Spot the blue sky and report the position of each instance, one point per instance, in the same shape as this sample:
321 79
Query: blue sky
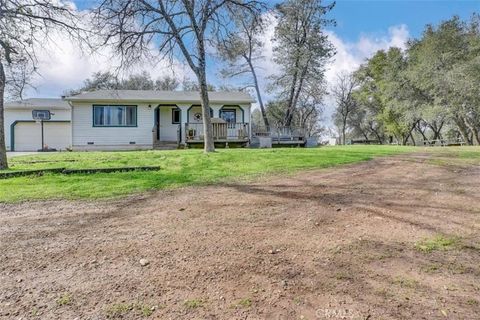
355 17
363 26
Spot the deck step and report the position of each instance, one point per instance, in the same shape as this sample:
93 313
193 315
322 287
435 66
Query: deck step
161 145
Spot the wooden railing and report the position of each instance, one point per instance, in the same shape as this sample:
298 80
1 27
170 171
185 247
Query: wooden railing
280 133
221 131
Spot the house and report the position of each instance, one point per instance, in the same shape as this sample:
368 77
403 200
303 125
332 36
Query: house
143 119
22 133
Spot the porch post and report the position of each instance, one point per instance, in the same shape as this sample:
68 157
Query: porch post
184 120
216 110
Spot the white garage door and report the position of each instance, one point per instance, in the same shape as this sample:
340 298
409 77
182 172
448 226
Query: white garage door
28 135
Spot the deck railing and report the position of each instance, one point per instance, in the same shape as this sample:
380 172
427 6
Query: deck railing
280 133
221 131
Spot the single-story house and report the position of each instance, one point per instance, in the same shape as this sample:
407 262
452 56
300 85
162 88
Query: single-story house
22 133
127 119
143 119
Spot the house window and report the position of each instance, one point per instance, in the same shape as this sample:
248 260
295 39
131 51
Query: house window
114 116
176 113
229 115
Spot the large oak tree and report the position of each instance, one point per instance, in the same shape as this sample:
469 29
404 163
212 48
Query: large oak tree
174 28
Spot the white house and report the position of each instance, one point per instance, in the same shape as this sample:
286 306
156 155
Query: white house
127 119
22 133
142 119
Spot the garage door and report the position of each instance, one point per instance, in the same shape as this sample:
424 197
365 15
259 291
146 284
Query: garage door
28 135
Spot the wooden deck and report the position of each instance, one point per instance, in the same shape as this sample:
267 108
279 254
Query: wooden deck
223 133
282 136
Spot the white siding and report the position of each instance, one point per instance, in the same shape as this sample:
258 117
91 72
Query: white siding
168 131
12 115
110 138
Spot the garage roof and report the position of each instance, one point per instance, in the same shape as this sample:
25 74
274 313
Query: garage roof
37 103
160 96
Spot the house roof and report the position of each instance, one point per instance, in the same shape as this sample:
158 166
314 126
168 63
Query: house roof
37 103
160 96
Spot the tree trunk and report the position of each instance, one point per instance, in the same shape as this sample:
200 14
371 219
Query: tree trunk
291 95
259 95
413 139
474 130
463 130
475 135
380 139
344 128
209 145
293 107
423 134
436 129
3 149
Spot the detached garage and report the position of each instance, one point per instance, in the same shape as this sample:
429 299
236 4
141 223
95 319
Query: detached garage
22 133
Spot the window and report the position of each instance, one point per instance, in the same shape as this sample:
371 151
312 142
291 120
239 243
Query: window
176 114
229 115
114 116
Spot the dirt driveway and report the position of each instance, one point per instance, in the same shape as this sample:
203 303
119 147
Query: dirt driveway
342 243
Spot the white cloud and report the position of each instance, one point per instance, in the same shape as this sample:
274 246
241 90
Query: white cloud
350 55
62 65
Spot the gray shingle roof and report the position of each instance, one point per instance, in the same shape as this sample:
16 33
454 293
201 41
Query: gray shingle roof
33 103
160 96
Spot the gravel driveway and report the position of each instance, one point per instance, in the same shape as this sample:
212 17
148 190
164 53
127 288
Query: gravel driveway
340 243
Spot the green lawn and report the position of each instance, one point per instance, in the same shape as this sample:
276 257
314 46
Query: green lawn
178 168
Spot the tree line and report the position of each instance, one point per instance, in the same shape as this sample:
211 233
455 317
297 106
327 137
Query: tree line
429 91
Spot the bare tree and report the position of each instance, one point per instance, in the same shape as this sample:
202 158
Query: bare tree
176 28
242 49
167 83
342 92
24 24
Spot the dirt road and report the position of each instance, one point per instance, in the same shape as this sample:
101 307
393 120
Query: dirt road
341 243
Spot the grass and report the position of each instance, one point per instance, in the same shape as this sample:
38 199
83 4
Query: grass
193 304
405 282
119 310
244 303
438 242
467 155
64 300
178 168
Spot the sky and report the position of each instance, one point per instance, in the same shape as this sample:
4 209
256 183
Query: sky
362 28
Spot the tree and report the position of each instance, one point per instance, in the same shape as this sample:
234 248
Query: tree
25 24
342 92
301 49
370 97
109 81
308 113
403 100
189 85
181 28
167 83
242 49
444 63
